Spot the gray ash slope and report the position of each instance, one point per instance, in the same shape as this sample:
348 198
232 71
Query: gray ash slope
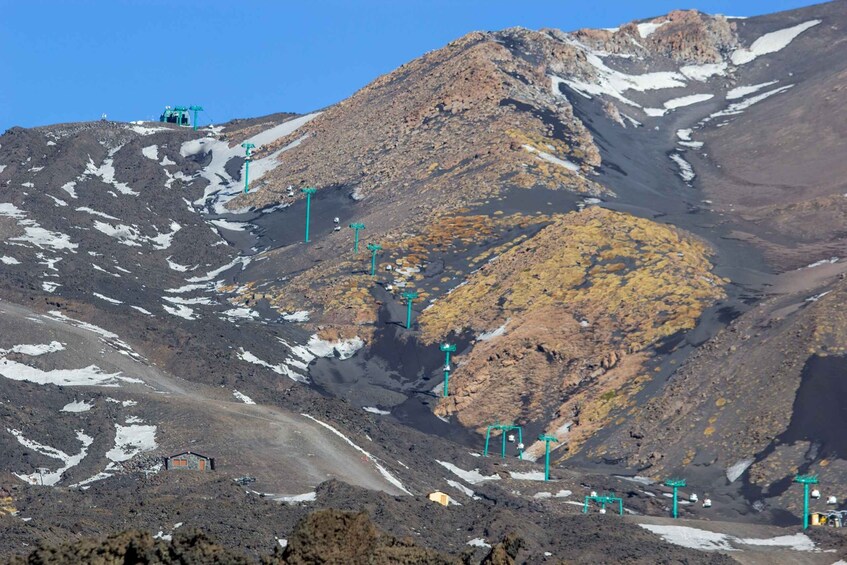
117 247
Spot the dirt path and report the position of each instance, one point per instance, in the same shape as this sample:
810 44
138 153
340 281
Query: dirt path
288 453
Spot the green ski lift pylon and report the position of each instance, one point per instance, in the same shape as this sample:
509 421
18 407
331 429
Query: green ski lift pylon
447 348
806 480
181 112
374 249
195 109
603 500
356 227
547 439
410 297
308 192
247 148
675 484
504 428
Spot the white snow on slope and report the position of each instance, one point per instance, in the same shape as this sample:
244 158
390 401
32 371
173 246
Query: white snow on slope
52 477
343 348
462 488
222 187
299 316
77 406
131 237
770 43
180 311
382 470
234 314
231 226
552 159
497 332
614 83
645 30
703 72
687 100
674 103
479 542
742 91
704 540
58 201
242 397
173 265
151 152
35 350
736 470
6 260
88 210
87 376
686 171
49 286
34 233
375 410
106 173
295 498
106 298
473 477
739 107
132 440
142 310
69 188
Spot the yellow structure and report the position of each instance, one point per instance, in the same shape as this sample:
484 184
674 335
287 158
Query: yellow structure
441 498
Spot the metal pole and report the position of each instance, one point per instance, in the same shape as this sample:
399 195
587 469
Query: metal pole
373 262
446 373
408 314
308 192
247 173
674 502
487 437
805 506
520 443
547 461
503 442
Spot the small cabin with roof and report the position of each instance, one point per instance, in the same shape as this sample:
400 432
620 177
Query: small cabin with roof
190 461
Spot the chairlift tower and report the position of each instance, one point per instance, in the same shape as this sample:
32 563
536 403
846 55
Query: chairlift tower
374 249
247 148
356 227
308 192
547 439
195 109
182 118
410 298
504 428
447 348
806 480
603 500
675 484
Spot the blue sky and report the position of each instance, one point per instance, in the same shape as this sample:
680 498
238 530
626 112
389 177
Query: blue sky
63 61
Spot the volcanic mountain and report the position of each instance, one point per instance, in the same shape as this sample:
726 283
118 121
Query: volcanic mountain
632 237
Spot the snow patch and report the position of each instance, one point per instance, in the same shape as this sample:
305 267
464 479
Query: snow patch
742 91
770 43
686 171
132 440
52 477
472 477
151 152
374 410
242 397
733 472
77 406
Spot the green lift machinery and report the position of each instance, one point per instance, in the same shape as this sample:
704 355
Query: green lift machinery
504 429
603 500
447 348
356 227
806 480
177 115
675 484
308 191
247 148
410 298
194 108
374 249
547 439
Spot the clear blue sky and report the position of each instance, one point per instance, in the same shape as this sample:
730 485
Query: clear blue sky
63 61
